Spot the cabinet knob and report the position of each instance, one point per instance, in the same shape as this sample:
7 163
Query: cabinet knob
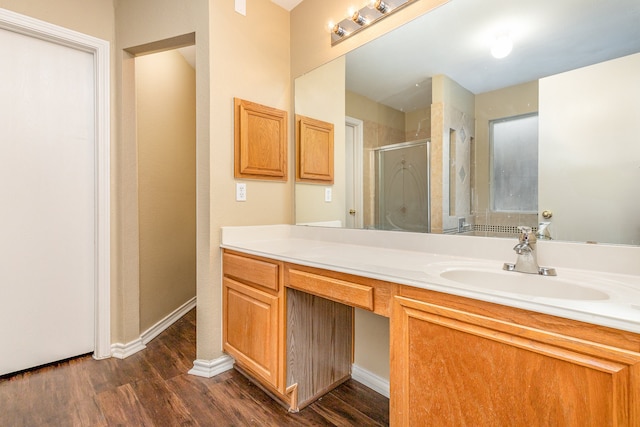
352 211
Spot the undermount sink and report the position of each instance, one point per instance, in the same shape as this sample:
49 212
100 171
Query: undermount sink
523 284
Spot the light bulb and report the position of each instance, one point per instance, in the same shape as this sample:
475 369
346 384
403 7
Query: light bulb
358 19
379 5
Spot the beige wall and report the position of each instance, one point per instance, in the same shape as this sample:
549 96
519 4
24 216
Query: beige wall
166 128
92 17
139 22
311 40
382 125
237 56
321 97
249 59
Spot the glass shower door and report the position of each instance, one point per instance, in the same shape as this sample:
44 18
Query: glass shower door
402 182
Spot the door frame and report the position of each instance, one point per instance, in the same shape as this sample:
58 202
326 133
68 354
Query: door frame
28 26
357 127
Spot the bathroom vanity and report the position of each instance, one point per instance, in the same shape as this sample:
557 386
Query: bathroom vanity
461 354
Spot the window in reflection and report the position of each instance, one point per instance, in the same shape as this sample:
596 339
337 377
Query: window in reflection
514 164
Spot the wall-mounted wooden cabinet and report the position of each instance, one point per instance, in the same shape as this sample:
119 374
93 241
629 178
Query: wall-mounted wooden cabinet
260 141
314 150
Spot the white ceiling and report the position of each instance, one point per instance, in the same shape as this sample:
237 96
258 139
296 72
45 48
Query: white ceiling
549 36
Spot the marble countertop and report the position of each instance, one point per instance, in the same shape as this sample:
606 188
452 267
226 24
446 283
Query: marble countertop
422 264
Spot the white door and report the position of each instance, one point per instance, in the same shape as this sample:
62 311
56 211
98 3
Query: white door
47 200
353 174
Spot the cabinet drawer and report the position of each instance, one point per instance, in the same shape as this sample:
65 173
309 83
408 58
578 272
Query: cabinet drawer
251 270
342 291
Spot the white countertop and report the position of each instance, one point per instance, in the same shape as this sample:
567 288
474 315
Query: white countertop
419 259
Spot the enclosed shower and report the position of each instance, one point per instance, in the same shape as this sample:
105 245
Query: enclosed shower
402 186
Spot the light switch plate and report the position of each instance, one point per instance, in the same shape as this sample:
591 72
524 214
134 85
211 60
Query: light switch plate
241 7
241 192
327 194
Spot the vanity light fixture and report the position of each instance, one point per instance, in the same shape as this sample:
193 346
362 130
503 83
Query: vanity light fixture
372 12
358 19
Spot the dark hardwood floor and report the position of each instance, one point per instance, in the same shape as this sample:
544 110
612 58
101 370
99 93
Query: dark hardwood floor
152 388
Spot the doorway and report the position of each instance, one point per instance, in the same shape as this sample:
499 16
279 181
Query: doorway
354 216
165 101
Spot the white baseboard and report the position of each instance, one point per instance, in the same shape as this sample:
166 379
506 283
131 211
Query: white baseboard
211 368
122 351
371 380
172 318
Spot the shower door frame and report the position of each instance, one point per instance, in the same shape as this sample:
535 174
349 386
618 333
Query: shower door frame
399 146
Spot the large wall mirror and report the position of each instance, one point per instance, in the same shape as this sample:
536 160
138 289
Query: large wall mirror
434 134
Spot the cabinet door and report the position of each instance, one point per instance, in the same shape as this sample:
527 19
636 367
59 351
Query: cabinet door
251 329
453 368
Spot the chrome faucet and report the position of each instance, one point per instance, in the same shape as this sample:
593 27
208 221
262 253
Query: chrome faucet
527 261
543 231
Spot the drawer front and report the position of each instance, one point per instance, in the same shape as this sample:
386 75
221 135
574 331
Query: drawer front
251 270
349 293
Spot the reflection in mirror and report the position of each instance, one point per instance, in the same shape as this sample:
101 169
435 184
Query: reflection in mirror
574 67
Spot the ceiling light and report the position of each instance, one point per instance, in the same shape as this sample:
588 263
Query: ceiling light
502 46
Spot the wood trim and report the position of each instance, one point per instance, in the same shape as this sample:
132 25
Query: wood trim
260 272
288 399
533 320
260 141
337 290
591 354
383 292
314 150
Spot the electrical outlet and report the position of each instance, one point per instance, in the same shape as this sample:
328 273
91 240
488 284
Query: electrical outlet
241 192
327 194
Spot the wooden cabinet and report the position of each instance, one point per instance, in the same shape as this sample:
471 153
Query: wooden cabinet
253 310
454 361
314 150
260 141
462 362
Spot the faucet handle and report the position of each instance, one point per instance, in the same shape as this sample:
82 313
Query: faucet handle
526 234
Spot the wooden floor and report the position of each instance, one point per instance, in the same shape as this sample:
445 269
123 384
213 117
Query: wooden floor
152 388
